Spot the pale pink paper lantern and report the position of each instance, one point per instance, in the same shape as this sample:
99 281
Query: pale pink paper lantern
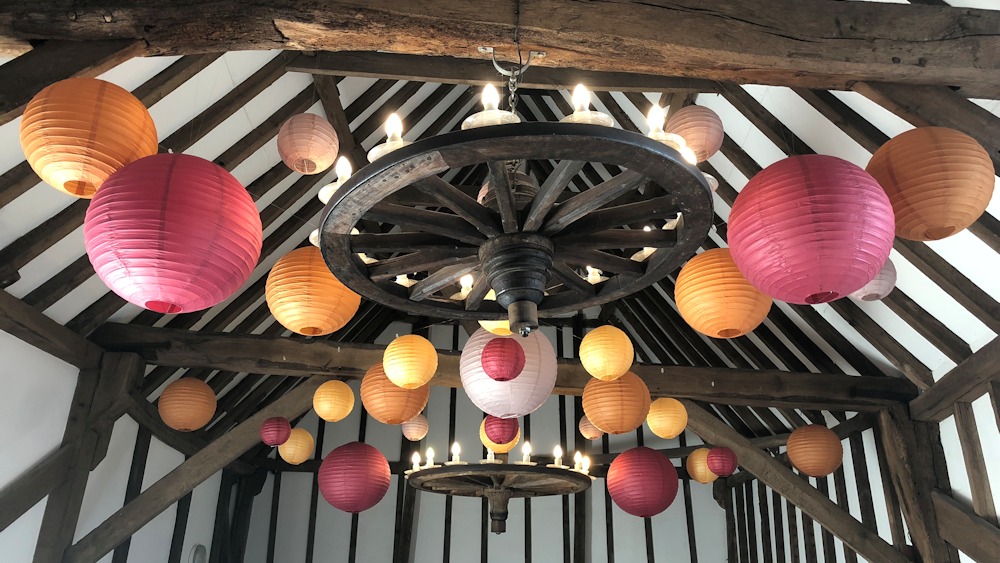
416 428
701 129
880 287
307 143
519 396
811 229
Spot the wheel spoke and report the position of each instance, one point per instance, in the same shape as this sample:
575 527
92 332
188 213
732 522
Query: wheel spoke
550 191
408 242
611 217
581 205
504 192
600 260
480 288
420 261
572 280
464 206
436 222
618 238
442 278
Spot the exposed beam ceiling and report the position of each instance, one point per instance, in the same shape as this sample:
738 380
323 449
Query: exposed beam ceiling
966 382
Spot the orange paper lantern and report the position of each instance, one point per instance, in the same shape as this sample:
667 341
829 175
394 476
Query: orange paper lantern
333 401
815 450
667 418
697 467
307 143
410 361
187 404
79 131
588 430
298 448
494 447
701 129
606 353
715 299
305 297
618 406
938 180
389 403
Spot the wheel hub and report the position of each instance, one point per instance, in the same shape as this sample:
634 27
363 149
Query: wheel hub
517 268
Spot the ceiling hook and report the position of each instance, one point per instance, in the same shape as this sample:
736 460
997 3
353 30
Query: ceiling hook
513 72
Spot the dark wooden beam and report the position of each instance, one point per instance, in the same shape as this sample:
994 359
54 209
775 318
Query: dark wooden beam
960 527
966 382
975 462
32 326
35 484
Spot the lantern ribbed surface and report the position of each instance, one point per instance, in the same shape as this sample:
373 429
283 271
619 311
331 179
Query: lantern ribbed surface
79 131
697 467
187 404
173 233
305 297
722 461
503 359
410 361
275 431
298 448
715 299
606 353
416 428
501 430
815 450
701 129
495 447
811 229
519 396
389 403
307 143
667 418
618 406
939 181
881 286
333 401
354 477
588 430
642 482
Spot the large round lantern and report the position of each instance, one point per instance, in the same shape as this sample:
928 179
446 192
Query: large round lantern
606 353
77 132
495 447
333 401
667 418
307 143
389 403
501 430
173 233
519 396
722 461
187 404
642 482
939 181
416 428
588 430
305 297
410 361
354 477
815 450
697 467
275 431
298 447
880 287
618 406
701 129
715 299
811 229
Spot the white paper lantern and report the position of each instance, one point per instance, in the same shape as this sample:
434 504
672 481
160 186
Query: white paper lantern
518 396
416 429
880 287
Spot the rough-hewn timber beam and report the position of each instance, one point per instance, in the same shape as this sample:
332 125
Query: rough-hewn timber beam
960 527
32 326
286 356
965 382
34 484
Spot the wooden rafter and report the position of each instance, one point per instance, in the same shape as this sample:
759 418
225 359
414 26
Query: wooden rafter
966 382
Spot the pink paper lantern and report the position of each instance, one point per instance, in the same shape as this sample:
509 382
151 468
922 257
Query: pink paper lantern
701 129
811 229
503 359
275 431
354 477
173 233
519 396
722 461
501 430
881 286
642 482
307 143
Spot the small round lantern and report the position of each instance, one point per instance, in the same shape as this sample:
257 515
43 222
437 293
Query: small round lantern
416 428
354 477
642 482
700 128
275 431
606 353
815 450
333 401
501 430
495 447
173 233
722 461
298 448
519 396
305 297
410 361
389 403
697 467
307 143
880 287
499 328
667 418
715 299
503 359
77 132
588 430
618 406
811 229
187 404
939 181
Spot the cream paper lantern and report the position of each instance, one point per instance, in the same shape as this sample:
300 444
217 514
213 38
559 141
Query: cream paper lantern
518 396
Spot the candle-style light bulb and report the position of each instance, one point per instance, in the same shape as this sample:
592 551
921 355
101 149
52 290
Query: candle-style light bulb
557 453
394 128
647 228
491 98
689 155
655 119
585 466
466 282
314 237
577 461
455 450
489 455
581 98
526 452
416 461
343 169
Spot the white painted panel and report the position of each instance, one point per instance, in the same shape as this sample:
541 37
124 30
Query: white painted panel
201 515
105 491
293 517
151 544
260 524
17 541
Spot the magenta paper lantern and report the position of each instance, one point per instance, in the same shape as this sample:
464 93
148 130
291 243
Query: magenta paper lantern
173 233
275 431
519 396
503 360
501 430
722 461
811 229
642 482
354 477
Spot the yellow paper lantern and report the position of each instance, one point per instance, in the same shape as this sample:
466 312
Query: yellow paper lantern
499 328
187 404
715 299
410 361
815 450
618 406
77 132
606 353
697 467
494 447
298 448
389 403
667 418
333 401
305 297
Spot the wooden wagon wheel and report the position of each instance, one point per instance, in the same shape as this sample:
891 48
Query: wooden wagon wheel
531 257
